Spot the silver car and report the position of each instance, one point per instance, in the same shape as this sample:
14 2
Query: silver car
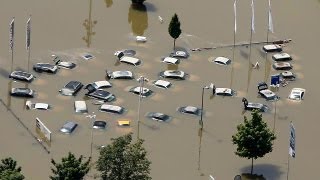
22 76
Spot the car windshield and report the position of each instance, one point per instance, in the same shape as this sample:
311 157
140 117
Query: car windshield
46 65
24 74
72 85
23 90
101 93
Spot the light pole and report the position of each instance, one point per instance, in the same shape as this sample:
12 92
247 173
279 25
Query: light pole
201 126
93 116
141 79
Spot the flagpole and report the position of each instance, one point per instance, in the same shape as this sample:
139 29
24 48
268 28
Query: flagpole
12 41
268 30
252 29
234 40
288 166
28 44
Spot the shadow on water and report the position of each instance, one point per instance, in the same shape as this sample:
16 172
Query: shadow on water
4 73
138 18
88 25
269 171
150 7
244 53
108 3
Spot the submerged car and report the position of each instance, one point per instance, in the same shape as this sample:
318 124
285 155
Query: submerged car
282 57
98 85
99 125
22 76
282 66
145 92
288 75
272 48
222 61
63 64
22 92
173 74
162 84
265 92
68 127
71 89
80 107
190 110
102 95
45 67
127 59
179 54
111 109
87 56
222 91
119 75
157 116
254 106
297 94
123 122
171 60
39 106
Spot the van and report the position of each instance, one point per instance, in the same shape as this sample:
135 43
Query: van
80 107
68 127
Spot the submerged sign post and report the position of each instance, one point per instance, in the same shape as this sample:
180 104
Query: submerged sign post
43 131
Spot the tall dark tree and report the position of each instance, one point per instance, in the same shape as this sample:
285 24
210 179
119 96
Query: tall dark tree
9 170
137 1
123 160
174 29
70 168
254 139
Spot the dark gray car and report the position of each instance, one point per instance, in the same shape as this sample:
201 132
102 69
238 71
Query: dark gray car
71 89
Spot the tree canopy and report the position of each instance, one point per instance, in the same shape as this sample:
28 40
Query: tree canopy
9 170
254 139
174 28
123 160
70 168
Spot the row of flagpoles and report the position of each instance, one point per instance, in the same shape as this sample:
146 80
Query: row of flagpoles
11 39
270 24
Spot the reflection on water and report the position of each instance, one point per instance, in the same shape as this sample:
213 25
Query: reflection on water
89 24
108 3
8 95
138 18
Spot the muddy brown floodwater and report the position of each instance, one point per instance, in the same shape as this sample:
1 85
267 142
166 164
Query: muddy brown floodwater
75 27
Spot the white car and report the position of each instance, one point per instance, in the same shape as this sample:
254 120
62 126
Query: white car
272 48
265 92
282 66
144 93
173 74
282 57
87 56
98 85
111 109
222 61
297 94
171 60
119 75
39 106
127 59
162 84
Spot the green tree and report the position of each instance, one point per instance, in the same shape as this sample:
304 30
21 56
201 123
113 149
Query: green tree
123 160
254 139
70 168
174 29
9 170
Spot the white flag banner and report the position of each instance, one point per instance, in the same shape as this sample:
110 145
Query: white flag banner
235 15
11 34
292 141
270 27
28 33
252 16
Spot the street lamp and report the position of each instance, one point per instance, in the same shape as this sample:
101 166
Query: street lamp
93 116
141 79
201 124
